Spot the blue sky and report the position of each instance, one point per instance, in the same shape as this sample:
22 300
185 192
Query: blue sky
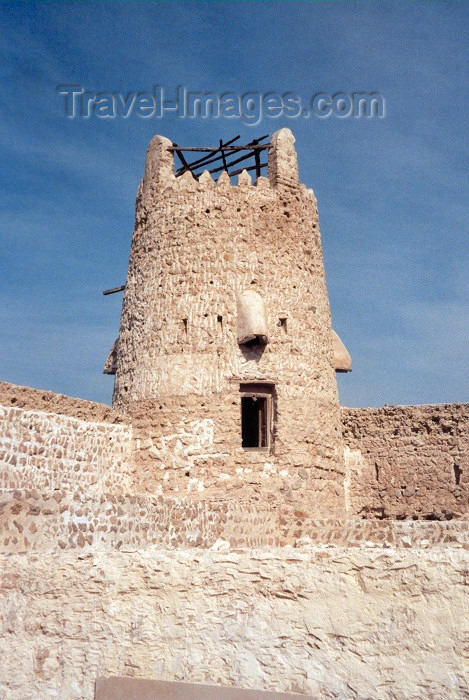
392 192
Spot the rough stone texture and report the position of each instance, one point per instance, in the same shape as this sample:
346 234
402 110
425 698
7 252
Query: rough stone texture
407 461
283 161
196 247
15 396
178 457
402 462
31 521
55 453
339 623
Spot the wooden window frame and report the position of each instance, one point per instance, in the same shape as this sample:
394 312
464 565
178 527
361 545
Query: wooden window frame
263 391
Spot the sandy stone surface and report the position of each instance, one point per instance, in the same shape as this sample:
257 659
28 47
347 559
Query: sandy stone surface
330 621
13 396
60 454
407 461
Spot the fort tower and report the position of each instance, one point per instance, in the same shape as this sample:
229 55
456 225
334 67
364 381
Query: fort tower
225 351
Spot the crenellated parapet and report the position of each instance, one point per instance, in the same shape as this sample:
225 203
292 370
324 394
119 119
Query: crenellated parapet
282 169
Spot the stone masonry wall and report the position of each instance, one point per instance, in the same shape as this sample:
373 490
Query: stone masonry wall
49 452
337 623
180 455
52 465
94 583
24 397
407 461
44 522
402 462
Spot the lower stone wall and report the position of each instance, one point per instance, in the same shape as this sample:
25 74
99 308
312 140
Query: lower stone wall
14 396
47 451
343 623
96 581
407 461
401 461
45 523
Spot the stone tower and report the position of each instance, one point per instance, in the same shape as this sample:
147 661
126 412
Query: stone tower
225 350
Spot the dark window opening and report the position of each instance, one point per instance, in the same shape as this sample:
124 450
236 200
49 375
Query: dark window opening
220 324
254 421
457 473
184 326
256 415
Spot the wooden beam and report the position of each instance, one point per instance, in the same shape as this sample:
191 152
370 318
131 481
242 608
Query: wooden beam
234 162
257 159
219 154
260 147
223 157
212 157
201 160
184 162
114 290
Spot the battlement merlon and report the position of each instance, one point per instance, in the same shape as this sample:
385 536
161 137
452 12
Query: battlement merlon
159 166
282 167
283 161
